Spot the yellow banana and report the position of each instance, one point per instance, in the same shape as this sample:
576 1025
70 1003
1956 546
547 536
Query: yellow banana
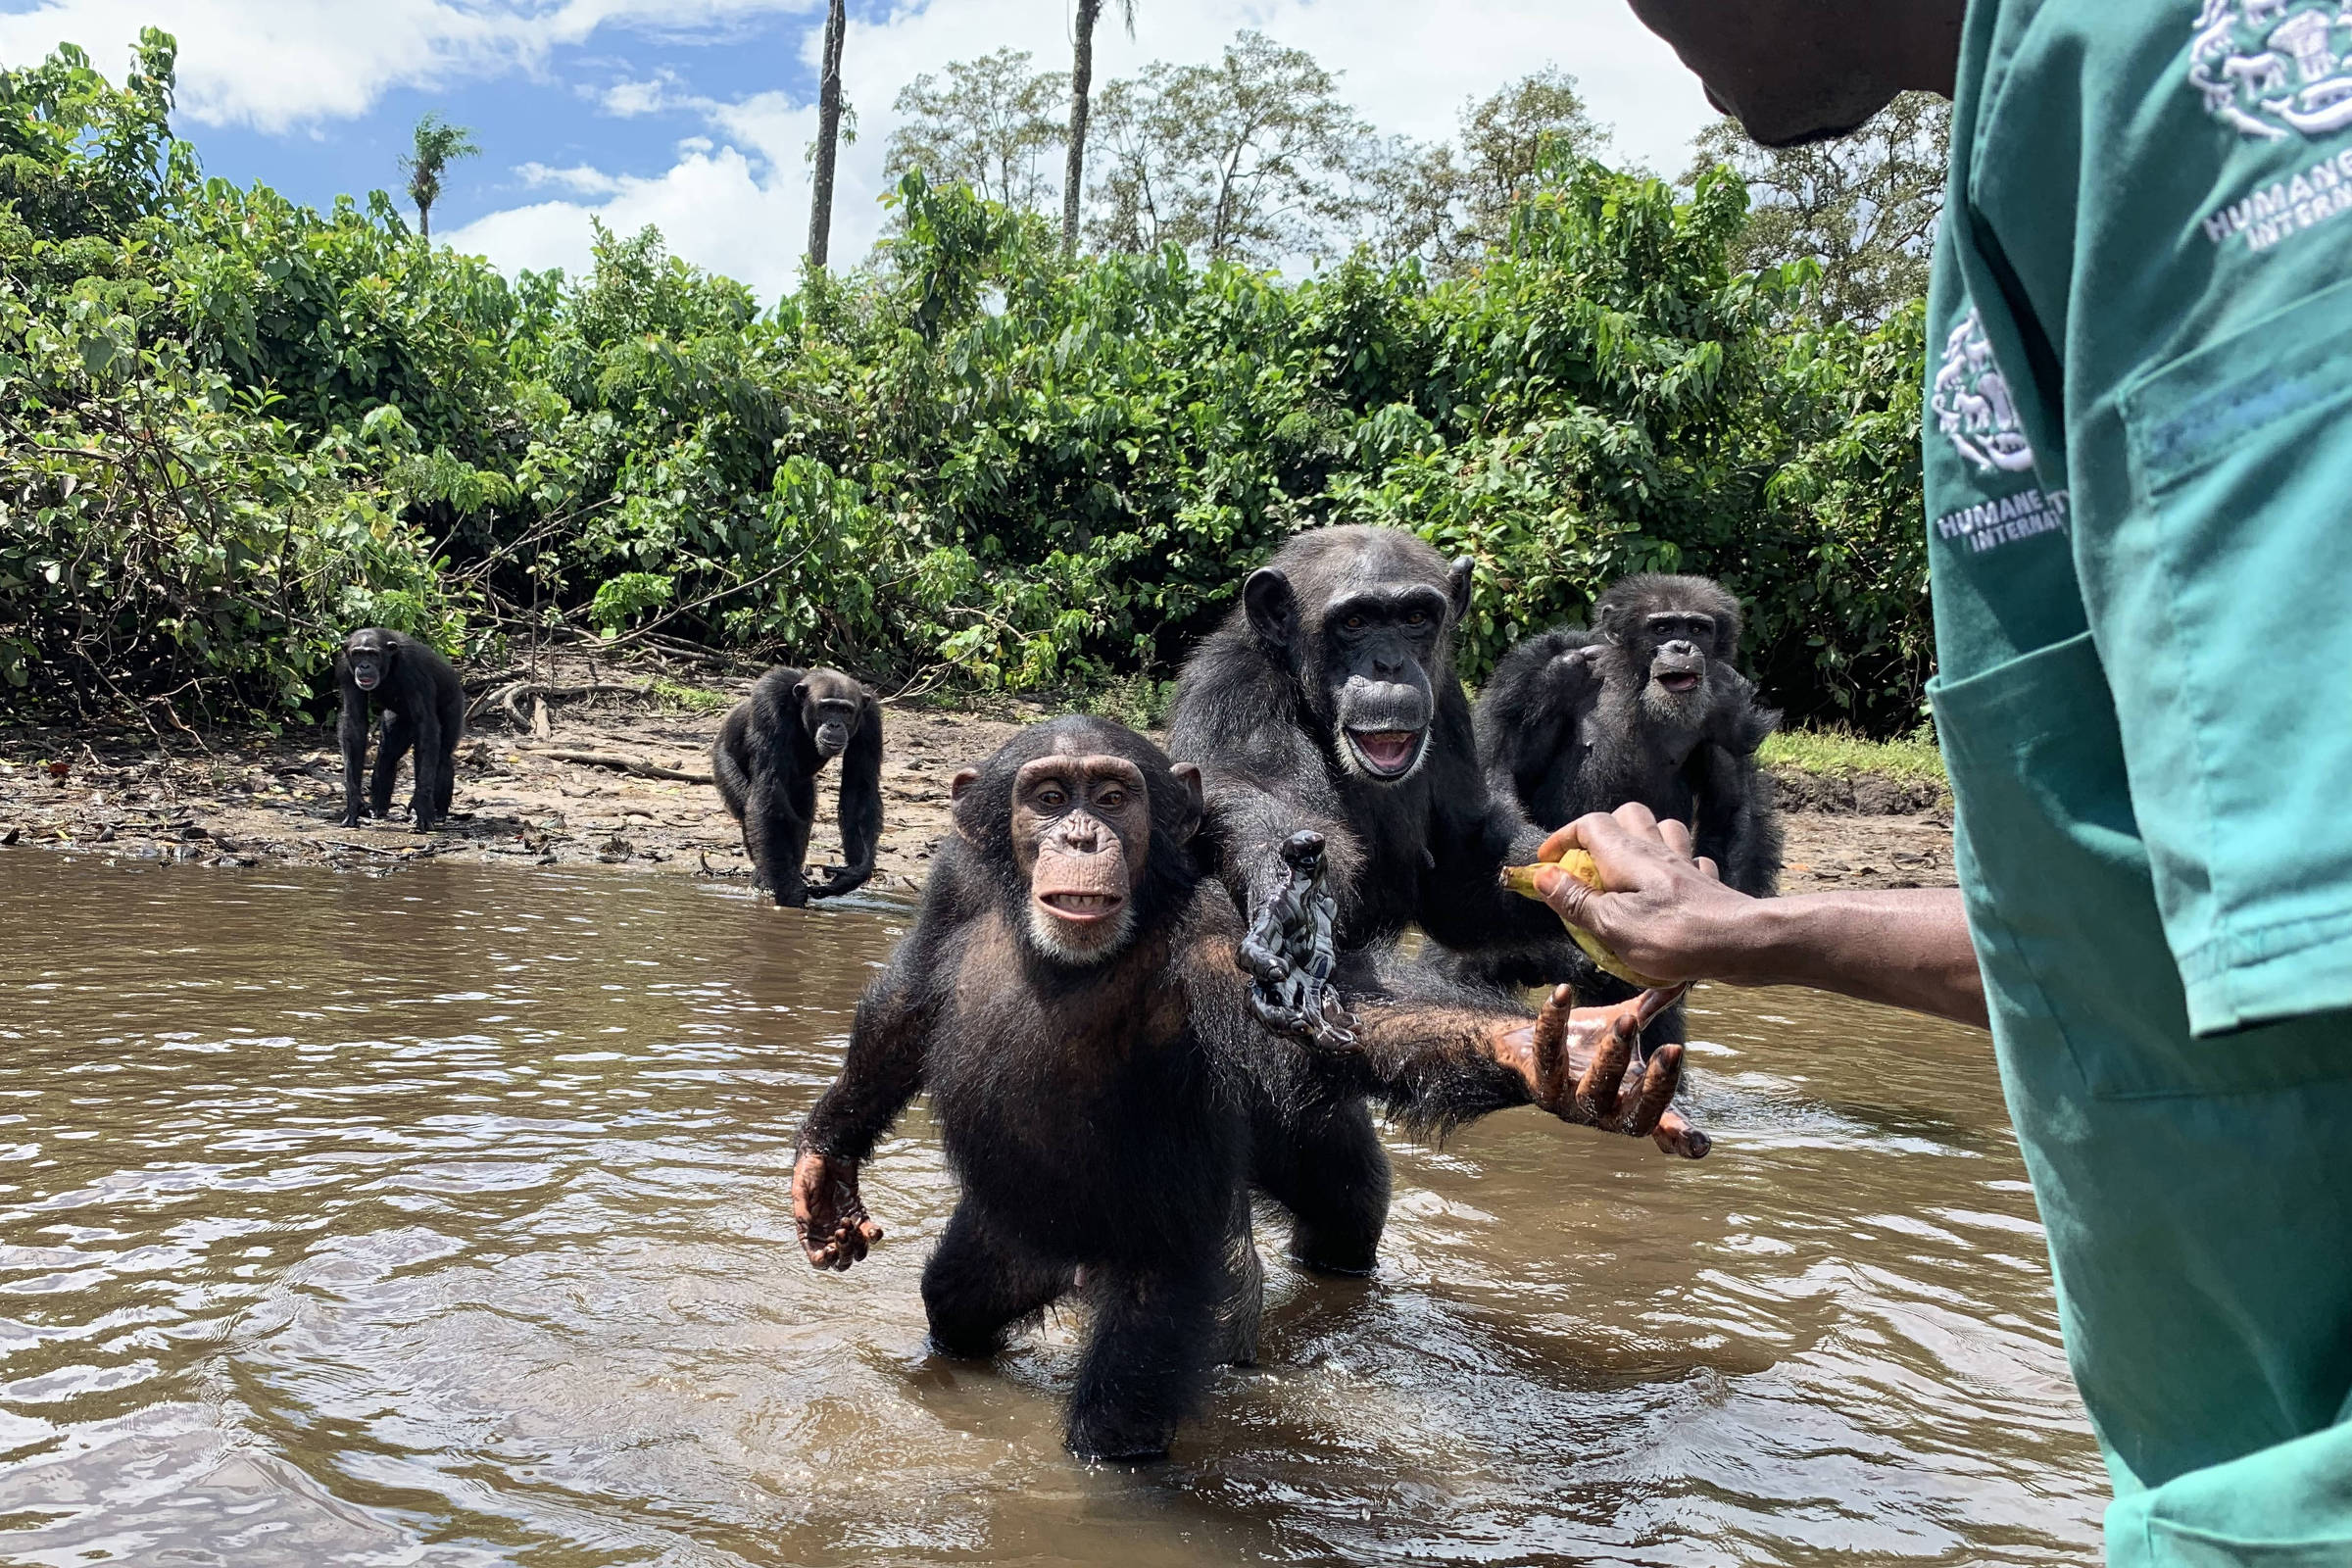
1527 882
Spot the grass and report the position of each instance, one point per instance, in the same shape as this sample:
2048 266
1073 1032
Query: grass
1833 752
693 699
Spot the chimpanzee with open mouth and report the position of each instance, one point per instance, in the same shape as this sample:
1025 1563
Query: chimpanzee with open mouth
1327 704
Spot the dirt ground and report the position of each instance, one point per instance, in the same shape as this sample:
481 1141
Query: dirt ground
525 797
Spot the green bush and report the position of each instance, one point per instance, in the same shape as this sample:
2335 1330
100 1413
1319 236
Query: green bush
235 427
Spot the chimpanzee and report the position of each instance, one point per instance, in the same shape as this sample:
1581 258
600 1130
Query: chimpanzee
425 708
765 762
1644 707
1071 1000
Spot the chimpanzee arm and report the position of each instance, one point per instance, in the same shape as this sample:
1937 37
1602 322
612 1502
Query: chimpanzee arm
883 1068
861 807
351 732
1737 827
1268 787
426 716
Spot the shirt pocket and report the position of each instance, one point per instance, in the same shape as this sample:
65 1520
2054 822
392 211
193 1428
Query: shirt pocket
2236 686
2060 898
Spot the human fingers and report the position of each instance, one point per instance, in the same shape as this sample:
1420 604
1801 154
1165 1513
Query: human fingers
1597 1090
1712 871
1677 837
1652 1004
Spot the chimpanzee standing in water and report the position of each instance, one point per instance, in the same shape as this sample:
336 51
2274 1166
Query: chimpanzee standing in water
1327 703
1645 707
1071 1000
765 762
425 708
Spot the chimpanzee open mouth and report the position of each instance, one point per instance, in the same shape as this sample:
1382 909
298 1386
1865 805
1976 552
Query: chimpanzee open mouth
1081 907
1680 681
363 680
1387 753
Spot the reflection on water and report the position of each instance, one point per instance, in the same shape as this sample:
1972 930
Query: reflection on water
442 1218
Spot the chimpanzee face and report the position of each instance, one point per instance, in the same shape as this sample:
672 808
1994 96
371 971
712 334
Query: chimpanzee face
830 707
369 655
1676 646
1081 836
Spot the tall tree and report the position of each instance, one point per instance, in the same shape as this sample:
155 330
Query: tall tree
1082 82
1254 157
990 125
828 134
438 144
1865 206
1448 203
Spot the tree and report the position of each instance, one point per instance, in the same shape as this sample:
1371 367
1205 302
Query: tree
1865 206
829 135
1082 81
1253 158
1449 206
438 144
988 125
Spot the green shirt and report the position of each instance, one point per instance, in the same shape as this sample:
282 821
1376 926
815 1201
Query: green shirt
2139 373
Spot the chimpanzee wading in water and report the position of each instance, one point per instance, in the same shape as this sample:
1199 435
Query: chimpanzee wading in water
1644 707
765 762
1071 1000
1327 703
424 708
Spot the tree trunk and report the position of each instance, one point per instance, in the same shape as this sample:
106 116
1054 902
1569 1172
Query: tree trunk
424 221
829 135
1082 81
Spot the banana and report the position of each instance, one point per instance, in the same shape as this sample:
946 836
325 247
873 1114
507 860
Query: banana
1527 882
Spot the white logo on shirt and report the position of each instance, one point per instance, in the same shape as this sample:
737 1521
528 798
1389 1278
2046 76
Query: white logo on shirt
2269 67
1972 403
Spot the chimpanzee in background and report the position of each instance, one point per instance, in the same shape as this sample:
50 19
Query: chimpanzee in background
1071 1000
1644 707
765 760
425 708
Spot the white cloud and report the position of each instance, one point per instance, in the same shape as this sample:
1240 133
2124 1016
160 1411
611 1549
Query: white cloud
1408 66
278 64
579 177
627 100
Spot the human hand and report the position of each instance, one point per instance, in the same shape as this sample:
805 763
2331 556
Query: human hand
835 1231
1578 1064
1666 915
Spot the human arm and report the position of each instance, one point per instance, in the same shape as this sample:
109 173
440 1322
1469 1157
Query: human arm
1668 917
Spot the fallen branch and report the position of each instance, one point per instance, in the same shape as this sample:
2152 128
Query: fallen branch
626 765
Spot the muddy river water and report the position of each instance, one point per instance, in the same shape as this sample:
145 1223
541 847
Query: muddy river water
441 1218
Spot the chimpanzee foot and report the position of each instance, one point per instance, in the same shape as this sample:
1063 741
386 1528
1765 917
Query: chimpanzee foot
1115 1436
1323 1253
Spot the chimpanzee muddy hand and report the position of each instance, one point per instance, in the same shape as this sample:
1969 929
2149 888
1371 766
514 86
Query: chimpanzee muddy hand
835 1231
1579 1063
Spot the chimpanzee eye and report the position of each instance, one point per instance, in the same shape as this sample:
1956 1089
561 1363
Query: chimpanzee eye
1112 799
1049 796
1354 623
1418 617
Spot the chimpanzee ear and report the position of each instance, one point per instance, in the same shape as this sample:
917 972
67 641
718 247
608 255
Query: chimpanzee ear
800 689
958 788
1272 608
1188 774
1457 581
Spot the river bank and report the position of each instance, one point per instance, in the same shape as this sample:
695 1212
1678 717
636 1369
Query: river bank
589 765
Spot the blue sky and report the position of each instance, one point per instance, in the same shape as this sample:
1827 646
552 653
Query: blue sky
693 115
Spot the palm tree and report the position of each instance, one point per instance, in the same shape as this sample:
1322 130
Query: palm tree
1082 81
438 143
828 134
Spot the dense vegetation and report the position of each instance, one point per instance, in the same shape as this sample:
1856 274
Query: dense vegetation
231 426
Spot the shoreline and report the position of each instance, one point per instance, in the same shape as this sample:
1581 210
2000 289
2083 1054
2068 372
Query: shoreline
552 791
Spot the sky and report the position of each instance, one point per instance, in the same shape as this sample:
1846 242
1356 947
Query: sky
696 115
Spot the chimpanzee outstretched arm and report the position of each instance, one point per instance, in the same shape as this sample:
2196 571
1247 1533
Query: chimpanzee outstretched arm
882 1070
861 807
351 732
1268 787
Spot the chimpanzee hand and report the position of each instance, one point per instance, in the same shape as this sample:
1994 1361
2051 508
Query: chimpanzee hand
1579 1063
835 1231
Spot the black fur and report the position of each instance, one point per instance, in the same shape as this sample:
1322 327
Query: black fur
425 708
765 760
1571 723
1108 1121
